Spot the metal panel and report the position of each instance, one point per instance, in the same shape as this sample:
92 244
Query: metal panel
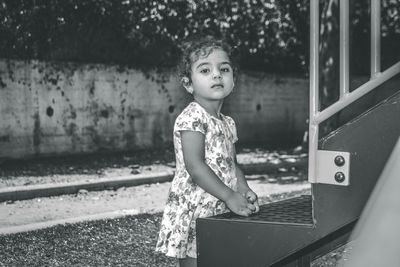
370 140
333 167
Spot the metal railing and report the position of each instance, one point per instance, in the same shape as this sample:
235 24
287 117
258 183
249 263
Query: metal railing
345 97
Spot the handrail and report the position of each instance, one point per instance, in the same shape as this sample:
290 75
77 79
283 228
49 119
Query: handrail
375 43
314 92
344 48
356 94
377 78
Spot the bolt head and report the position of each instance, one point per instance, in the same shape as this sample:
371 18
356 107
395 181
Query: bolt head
340 177
339 161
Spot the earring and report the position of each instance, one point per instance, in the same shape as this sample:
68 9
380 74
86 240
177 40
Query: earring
185 81
186 84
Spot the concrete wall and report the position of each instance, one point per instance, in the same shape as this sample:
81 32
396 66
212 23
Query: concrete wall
63 108
269 109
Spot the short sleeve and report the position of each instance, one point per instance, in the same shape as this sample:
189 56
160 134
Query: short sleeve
191 119
232 128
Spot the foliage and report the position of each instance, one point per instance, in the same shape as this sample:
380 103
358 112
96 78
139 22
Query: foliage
268 35
360 35
148 33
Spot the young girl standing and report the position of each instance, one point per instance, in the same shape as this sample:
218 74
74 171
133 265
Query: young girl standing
207 180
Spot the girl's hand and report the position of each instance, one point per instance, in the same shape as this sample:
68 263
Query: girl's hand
239 204
253 199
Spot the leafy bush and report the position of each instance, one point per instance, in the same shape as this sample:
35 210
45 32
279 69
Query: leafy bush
268 35
148 33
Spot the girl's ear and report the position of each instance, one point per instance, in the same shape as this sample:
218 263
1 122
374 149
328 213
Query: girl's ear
185 81
189 88
187 85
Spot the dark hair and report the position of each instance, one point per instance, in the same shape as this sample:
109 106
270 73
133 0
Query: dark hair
201 47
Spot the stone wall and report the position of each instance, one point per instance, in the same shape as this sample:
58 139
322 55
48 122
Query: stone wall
63 108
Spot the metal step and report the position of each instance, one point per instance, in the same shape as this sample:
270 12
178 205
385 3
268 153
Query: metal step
295 211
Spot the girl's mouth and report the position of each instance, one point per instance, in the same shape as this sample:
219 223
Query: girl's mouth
216 86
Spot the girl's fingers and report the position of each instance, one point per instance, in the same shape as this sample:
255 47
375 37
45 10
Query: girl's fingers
251 207
245 212
257 207
248 204
251 196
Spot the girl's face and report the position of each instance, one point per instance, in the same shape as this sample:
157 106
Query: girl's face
212 77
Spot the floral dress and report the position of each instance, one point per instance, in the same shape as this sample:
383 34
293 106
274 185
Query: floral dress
186 200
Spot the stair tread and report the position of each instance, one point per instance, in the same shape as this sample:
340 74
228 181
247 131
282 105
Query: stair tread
293 211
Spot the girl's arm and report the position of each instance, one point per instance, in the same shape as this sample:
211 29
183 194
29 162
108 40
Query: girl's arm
193 144
244 188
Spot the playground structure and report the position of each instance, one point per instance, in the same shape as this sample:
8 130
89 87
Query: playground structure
345 167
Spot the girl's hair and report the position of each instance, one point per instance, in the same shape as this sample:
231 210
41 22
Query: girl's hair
197 48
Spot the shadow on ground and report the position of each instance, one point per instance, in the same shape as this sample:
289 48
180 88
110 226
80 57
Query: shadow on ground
94 163
283 166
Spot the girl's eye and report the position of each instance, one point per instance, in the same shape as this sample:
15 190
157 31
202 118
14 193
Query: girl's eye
204 70
225 69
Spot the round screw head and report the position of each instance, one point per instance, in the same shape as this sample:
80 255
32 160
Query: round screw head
340 177
339 161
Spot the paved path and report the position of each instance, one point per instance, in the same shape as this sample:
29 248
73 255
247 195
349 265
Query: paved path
26 215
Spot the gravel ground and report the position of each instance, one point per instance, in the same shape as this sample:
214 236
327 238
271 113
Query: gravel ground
99 204
63 169
125 241
284 168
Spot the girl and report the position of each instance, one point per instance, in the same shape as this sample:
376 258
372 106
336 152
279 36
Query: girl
208 180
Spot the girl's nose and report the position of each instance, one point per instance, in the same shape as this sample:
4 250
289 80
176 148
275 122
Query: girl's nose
216 74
